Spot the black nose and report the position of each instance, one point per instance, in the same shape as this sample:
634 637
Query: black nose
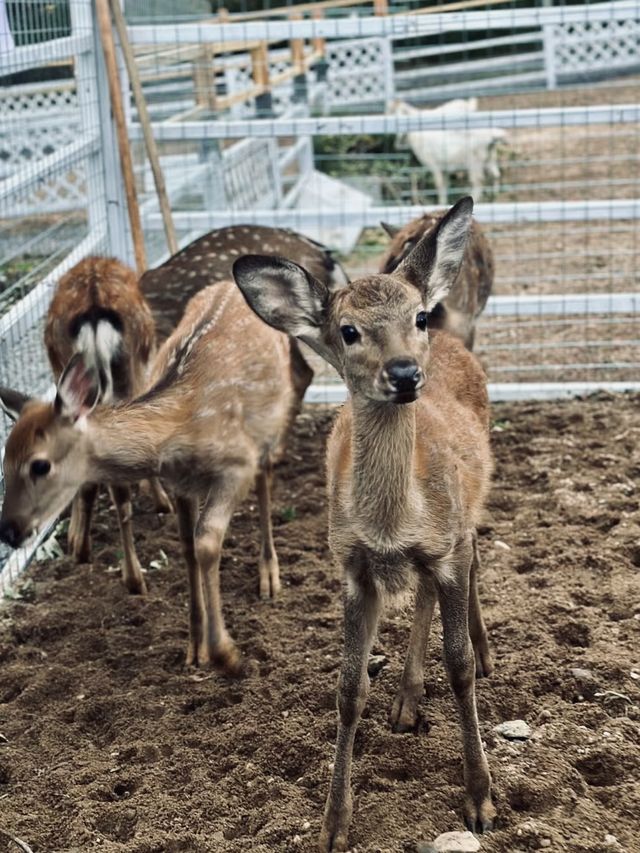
10 533
404 374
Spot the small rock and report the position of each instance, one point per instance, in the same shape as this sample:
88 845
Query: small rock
456 842
545 842
545 715
425 847
514 730
582 674
306 826
611 839
376 664
498 543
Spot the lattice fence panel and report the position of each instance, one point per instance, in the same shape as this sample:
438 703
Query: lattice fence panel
596 46
360 72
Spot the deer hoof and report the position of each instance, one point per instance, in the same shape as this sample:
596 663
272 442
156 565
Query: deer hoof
404 713
334 835
479 818
484 663
228 660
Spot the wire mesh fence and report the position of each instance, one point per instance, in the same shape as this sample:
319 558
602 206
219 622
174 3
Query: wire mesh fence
327 118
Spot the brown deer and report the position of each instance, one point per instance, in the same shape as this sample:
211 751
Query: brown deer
210 258
409 467
98 310
460 309
212 421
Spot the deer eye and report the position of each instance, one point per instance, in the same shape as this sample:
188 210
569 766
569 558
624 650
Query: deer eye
40 467
421 320
349 334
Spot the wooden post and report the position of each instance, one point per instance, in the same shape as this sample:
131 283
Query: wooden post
223 14
380 7
108 47
143 115
204 78
300 91
260 75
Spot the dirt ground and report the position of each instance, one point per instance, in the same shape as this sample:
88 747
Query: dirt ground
107 743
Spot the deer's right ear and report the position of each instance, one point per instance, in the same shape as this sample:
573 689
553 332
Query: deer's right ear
391 230
78 389
285 296
12 402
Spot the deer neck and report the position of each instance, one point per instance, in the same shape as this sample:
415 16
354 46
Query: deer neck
125 441
385 495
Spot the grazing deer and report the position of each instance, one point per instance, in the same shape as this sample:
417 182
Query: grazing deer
409 467
98 310
210 258
211 423
466 300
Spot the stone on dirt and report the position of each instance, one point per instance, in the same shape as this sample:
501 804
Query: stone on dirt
514 730
456 842
376 664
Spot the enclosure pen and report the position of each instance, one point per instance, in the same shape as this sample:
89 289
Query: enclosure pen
317 121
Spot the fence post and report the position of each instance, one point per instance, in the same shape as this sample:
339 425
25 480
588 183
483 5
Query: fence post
260 75
549 41
380 7
107 209
300 92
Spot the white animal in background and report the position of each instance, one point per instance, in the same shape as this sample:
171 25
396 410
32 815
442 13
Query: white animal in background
471 150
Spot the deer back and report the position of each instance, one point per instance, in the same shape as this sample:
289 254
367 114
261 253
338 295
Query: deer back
98 310
223 375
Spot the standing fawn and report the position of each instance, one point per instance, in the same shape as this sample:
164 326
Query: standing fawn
409 467
213 420
98 311
465 301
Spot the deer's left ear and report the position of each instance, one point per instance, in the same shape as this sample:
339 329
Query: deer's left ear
12 402
434 264
285 296
78 389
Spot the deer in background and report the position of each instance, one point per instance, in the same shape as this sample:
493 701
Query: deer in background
212 422
466 300
210 258
98 311
409 468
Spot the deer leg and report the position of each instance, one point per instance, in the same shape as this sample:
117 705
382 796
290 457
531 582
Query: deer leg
459 659
131 568
212 526
404 713
361 613
477 629
79 535
268 568
197 649
161 499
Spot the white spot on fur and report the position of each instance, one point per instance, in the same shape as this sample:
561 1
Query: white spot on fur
98 349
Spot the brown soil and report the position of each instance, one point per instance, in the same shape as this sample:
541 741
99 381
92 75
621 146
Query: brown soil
112 746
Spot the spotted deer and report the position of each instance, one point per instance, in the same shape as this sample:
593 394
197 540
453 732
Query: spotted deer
212 422
97 310
459 310
409 467
210 258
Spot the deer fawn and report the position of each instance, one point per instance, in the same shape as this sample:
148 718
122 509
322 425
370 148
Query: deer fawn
97 310
463 304
408 473
213 419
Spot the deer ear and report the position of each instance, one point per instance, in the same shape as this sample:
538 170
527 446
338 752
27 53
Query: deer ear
12 402
391 230
78 389
433 265
285 296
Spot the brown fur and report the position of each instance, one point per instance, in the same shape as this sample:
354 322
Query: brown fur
210 258
104 283
212 422
408 468
472 288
